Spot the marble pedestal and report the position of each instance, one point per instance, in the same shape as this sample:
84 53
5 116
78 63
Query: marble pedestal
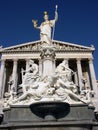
79 117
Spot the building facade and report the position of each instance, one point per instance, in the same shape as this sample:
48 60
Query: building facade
79 58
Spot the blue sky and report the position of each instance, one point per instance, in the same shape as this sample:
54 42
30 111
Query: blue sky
78 21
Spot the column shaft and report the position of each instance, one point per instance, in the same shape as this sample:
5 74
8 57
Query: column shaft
14 78
27 63
76 78
79 70
40 67
2 78
93 77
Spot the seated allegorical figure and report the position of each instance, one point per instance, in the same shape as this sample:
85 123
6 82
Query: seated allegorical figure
29 75
64 71
65 75
39 89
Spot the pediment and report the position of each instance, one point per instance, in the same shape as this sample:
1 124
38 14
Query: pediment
36 45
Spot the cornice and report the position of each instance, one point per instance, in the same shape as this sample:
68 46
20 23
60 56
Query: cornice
38 51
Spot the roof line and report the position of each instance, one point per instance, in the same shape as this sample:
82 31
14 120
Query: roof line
62 42
19 45
74 44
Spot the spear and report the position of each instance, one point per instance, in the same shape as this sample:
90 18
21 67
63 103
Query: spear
56 7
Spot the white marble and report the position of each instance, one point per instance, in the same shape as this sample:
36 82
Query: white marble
2 78
46 28
29 76
56 87
44 81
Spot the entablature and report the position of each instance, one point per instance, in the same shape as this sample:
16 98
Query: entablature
36 55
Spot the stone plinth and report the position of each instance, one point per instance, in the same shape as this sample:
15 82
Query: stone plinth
48 60
23 118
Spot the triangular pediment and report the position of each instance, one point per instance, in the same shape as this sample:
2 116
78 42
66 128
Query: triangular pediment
36 45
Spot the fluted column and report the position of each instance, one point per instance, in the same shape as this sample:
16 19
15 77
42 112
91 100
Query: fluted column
2 78
93 77
27 63
76 78
40 67
94 84
79 71
14 77
54 65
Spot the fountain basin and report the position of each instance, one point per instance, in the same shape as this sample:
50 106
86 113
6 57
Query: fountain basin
50 109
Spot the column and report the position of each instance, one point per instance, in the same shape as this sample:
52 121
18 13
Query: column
27 63
2 78
40 67
79 71
48 58
76 78
93 77
94 84
54 65
14 76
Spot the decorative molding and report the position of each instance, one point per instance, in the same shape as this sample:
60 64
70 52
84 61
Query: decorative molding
36 46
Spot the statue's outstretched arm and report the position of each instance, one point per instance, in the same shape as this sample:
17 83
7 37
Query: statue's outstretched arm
35 24
37 27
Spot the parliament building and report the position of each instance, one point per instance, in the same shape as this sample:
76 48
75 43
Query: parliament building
48 84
